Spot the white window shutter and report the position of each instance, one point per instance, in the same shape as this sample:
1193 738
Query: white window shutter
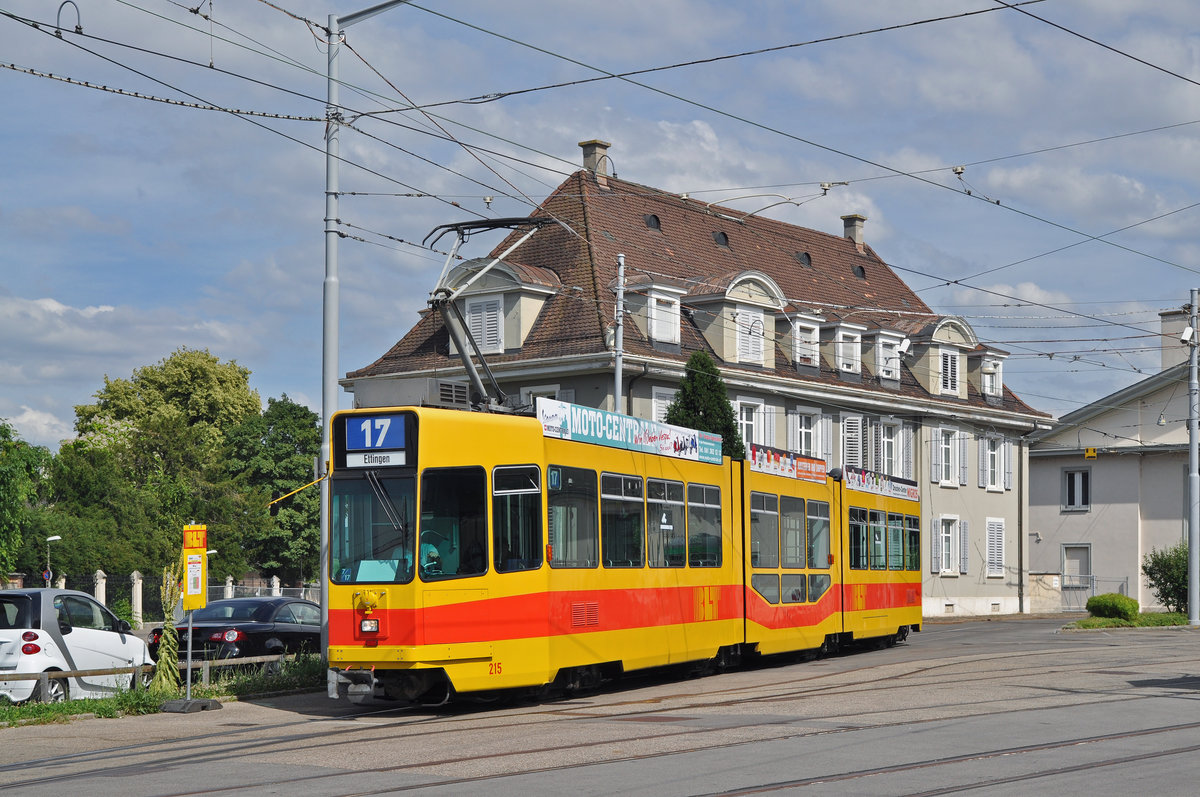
825 443
935 452
983 461
962 458
995 547
1007 453
964 546
852 449
935 548
876 462
907 454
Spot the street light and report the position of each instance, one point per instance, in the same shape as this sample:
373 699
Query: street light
329 338
50 575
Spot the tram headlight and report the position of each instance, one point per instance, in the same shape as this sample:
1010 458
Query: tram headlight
369 625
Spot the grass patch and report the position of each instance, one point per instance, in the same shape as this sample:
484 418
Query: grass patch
1143 620
302 673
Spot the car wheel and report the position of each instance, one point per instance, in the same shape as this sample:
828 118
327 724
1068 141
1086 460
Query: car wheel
56 692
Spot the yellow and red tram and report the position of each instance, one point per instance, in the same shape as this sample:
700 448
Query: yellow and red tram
473 552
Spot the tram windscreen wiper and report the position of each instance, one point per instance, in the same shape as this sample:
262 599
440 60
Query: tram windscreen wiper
385 501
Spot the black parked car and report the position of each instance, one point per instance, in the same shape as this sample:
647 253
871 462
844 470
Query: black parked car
238 627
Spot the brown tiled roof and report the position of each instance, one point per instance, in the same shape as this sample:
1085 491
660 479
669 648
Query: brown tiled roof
601 221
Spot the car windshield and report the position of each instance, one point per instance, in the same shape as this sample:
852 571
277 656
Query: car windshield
234 611
15 611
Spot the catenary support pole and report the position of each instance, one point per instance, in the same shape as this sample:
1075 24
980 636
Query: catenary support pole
1193 472
619 337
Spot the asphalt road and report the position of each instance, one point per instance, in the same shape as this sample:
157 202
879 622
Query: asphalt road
1004 707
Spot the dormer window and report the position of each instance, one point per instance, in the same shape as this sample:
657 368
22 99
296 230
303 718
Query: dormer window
950 371
652 222
887 358
721 239
991 382
485 320
750 334
663 317
805 344
849 352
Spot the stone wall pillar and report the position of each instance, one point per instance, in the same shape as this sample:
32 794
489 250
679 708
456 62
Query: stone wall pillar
275 590
228 586
61 581
100 586
135 597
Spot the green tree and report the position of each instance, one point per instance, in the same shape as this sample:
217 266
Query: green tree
1166 572
21 470
191 386
703 403
275 452
149 460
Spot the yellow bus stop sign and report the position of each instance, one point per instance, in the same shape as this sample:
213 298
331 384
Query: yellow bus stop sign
195 567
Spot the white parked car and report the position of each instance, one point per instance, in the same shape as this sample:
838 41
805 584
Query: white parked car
46 630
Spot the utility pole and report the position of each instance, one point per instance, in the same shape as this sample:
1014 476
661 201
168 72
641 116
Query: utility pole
1193 470
330 296
619 337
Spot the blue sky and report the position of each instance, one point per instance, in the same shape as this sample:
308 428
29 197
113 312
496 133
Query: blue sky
132 227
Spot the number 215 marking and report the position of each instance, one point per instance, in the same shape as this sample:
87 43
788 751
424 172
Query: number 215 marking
494 668
382 425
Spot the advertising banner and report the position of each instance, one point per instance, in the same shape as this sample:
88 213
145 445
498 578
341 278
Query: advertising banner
589 425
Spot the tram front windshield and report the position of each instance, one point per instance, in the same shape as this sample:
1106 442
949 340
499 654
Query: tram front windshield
371 529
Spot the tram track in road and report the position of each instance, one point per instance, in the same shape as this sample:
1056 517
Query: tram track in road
672 711
232 743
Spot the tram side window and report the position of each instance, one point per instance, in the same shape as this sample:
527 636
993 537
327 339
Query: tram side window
791 529
818 585
764 531
517 518
574 532
622 520
818 535
704 525
792 588
912 550
878 540
453 539
665 545
895 549
767 585
858 538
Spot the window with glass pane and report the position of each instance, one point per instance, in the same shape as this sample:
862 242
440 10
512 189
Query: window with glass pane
818 535
764 530
857 531
573 503
877 539
948 455
704 525
453 540
818 585
912 550
791 530
793 588
622 521
895 544
767 585
517 518
371 529
665 532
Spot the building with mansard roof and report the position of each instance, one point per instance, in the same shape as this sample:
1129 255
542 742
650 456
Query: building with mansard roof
825 351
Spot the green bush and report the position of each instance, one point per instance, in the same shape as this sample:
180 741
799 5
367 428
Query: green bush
123 609
1111 604
1166 573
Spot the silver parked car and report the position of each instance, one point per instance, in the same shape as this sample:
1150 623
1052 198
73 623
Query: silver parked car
47 630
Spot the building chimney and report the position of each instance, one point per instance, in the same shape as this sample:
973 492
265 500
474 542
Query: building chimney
595 156
853 229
